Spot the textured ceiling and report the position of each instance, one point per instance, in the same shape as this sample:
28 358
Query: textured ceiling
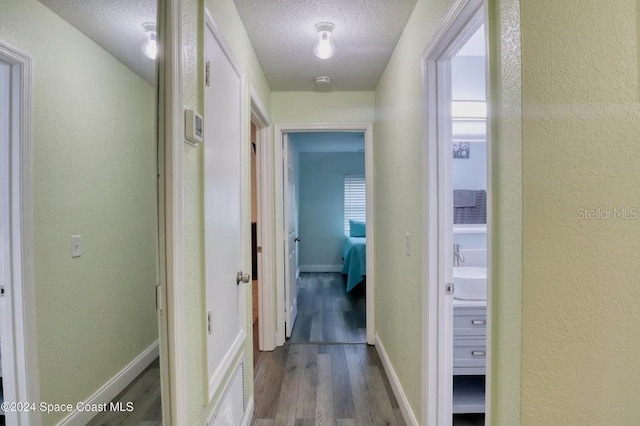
328 141
115 25
282 33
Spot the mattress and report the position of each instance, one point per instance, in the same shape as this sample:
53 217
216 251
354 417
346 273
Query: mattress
354 253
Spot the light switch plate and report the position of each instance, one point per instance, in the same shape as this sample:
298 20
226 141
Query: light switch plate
407 244
76 245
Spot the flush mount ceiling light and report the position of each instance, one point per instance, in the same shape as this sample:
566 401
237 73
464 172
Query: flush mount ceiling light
149 42
325 45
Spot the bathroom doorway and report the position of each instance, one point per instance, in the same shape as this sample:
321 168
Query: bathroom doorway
458 223
18 363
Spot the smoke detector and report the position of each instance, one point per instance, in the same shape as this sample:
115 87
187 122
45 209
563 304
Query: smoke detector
323 84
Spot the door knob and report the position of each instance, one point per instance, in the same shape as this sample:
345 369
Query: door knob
298 239
242 278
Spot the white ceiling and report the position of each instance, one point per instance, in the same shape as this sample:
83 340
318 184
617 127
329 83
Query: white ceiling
328 141
282 33
116 25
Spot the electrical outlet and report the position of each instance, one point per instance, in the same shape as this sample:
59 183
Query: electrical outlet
76 246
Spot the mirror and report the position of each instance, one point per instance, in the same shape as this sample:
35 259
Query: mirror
95 206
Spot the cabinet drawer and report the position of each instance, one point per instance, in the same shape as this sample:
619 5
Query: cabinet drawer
469 353
469 322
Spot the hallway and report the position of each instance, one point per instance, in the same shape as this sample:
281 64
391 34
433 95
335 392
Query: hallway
327 313
308 384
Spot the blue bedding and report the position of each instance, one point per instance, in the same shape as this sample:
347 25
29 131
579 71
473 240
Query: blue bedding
354 253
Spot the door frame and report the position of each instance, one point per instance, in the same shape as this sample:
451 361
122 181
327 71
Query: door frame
171 288
437 348
20 295
277 202
264 186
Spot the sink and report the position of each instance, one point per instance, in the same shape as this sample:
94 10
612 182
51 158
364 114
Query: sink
470 283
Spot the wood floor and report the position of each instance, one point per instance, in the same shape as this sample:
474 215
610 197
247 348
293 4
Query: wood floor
468 420
144 392
336 380
309 384
327 313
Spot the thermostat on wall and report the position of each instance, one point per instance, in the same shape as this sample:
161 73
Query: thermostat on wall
193 127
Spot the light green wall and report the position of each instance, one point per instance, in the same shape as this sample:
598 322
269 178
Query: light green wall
94 174
226 16
506 238
314 107
194 294
580 68
398 165
398 182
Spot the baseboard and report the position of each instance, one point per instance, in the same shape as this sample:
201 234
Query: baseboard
403 402
320 268
113 387
248 413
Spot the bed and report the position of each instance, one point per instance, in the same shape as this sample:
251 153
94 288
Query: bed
354 254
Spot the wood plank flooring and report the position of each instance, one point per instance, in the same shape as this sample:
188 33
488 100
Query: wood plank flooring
144 392
309 384
327 313
468 420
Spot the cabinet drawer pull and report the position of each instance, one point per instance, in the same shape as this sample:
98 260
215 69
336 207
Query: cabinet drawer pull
479 322
478 353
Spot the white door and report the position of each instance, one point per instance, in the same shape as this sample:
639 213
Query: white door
290 231
224 218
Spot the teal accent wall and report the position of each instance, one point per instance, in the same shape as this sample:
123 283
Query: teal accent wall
321 208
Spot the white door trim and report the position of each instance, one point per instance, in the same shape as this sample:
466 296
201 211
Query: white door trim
22 353
264 174
173 348
279 130
437 355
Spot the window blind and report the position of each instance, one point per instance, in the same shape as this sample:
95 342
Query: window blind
355 201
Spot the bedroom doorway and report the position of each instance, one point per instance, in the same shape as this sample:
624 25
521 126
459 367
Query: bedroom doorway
324 195
325 221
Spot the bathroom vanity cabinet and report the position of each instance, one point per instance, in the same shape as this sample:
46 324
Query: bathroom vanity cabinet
469 358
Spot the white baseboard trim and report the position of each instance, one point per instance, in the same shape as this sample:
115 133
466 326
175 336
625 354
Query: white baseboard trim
113 387
403 402
248 414
320 268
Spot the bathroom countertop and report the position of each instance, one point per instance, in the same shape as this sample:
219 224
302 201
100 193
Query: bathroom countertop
470 303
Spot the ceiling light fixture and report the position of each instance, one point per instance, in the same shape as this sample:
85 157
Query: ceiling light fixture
149 42
325 45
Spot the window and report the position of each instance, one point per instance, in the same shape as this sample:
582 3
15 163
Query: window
355 202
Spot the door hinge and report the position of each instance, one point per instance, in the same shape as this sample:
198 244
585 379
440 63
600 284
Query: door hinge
207 74
209 326
449 288
159 297
259 249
